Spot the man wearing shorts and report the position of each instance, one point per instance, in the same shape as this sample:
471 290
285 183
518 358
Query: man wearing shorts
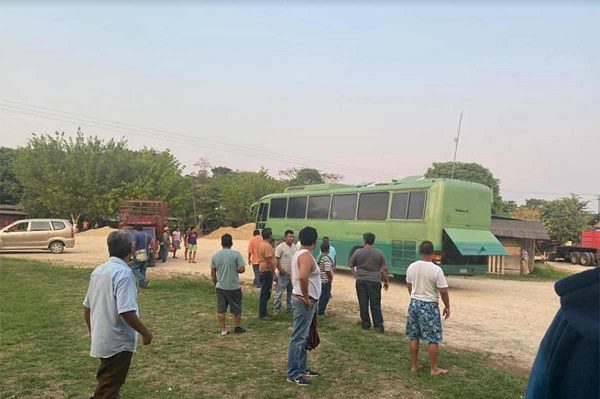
426 283
192 241
225 267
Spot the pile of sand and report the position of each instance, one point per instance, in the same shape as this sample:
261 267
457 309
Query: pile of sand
243 232
101 232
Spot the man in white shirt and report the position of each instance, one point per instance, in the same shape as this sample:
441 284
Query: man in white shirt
284 253
111 311
306 280
426 283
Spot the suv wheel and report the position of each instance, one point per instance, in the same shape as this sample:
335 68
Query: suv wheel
57 247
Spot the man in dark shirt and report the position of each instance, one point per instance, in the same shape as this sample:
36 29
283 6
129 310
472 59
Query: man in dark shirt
568 362
141 256
370 269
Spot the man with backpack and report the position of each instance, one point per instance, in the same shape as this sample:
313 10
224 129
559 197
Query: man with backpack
141 255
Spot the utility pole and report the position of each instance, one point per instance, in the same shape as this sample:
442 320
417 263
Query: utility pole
456 145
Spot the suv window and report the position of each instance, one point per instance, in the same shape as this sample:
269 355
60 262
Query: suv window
20 227
40 226
57 225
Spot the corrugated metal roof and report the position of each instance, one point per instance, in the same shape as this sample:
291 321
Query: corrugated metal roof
518 228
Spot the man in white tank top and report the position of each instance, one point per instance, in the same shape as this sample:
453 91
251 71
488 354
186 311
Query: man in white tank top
306 283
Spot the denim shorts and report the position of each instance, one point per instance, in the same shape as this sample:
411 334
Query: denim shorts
423 322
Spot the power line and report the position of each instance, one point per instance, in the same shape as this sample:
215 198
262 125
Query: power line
55 114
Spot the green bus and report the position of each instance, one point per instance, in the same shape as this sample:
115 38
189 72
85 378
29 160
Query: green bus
455 215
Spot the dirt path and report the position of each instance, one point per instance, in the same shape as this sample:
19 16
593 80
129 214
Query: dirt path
502 317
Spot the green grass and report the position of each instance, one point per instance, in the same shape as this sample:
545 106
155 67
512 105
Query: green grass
44 349
541 272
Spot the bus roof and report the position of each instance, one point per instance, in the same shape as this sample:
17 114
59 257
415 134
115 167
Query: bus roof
404 184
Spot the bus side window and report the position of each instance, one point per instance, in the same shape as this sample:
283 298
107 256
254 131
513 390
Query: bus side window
343 207
296 208
399 205
416 205
278 207
373 206
318 207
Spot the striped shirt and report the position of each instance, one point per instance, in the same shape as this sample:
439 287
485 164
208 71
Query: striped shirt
325 265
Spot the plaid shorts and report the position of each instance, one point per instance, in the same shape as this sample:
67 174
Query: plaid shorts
423 322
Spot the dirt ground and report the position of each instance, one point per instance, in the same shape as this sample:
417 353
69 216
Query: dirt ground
504 318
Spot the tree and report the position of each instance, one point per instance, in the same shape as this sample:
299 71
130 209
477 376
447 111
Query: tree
535 203
88 176
306 176
565 218
10 188
472 172
221 171
526 213
510 206
226 200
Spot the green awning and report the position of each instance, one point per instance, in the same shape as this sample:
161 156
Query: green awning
475 242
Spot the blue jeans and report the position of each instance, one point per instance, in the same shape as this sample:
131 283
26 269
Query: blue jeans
325 295
283 284
297 361
139 271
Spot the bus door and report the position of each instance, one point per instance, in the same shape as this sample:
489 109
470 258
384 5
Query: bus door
261 216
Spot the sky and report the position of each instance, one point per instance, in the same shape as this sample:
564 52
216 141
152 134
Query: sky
372 92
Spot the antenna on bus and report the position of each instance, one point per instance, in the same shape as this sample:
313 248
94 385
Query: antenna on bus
456 145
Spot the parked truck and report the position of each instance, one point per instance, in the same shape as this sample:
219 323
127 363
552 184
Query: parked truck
586 254
151 215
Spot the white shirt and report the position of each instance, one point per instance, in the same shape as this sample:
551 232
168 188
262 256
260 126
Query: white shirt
285 253
426 278
111 292
314 278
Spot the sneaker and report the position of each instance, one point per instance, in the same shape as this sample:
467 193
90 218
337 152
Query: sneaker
266 318
239 330
224 333
144 284
299 381
380 330
311 373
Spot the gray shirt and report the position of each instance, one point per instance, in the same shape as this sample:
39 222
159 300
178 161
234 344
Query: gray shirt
227 263
111 292
368 262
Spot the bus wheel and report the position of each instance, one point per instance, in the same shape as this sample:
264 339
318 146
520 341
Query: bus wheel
586 259
575 258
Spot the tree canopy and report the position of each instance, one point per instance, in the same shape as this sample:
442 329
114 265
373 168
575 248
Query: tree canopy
10 188
565 218
306 176
81 175
472 172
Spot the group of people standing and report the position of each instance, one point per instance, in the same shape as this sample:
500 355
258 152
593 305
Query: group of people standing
111 309
171 242
274 265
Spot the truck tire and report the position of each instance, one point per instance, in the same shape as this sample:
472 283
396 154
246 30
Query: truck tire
575 257
586 259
